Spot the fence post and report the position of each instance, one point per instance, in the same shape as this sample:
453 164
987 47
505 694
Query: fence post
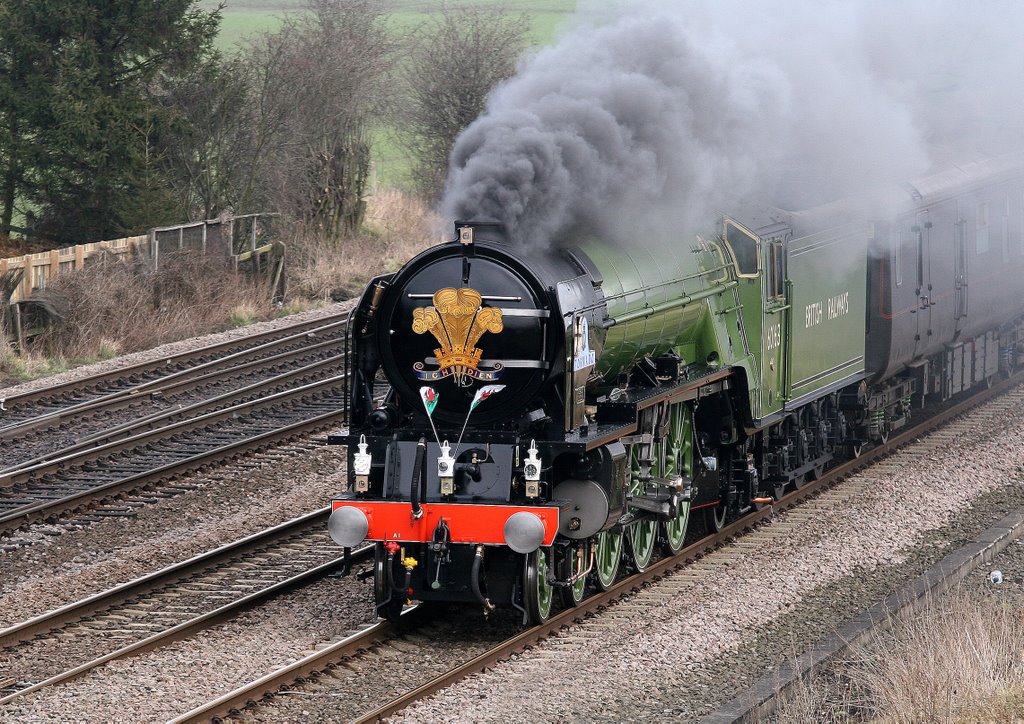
204 237
154 248
19 335
53 269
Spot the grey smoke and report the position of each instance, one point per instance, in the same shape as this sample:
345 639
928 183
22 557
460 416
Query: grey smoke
650 117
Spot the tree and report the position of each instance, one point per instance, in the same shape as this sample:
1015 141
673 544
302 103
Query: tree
209 150
317 85
80 82
452 65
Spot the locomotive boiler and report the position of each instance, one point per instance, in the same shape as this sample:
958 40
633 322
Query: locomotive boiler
525 420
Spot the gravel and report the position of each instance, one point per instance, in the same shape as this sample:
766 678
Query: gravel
174 679
61 563
656 656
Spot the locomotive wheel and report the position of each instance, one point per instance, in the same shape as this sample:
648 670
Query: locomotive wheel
571 596
714 518
537 592
678 453
606 563
643 534
382 592
642 537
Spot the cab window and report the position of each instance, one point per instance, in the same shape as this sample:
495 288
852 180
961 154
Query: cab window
744 248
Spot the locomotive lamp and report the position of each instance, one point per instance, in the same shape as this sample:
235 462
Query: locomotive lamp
361 463
446 469
531 471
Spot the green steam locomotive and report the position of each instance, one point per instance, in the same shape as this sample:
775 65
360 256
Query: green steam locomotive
526 421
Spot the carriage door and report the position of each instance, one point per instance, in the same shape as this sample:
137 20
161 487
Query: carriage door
960 267
921 239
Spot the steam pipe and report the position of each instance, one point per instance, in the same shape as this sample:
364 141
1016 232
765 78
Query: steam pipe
474 578
417 475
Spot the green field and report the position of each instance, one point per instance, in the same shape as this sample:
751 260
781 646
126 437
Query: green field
242 18
246 17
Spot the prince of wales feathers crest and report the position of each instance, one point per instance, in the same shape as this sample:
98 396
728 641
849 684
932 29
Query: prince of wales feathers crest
457 321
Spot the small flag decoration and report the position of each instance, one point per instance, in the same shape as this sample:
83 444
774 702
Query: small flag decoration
483 393
430 397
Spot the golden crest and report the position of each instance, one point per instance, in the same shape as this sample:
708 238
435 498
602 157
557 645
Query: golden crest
457 320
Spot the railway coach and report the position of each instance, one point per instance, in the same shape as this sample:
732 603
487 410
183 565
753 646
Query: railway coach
524 421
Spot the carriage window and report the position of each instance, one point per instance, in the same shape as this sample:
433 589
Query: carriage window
981 229
897 255
743 246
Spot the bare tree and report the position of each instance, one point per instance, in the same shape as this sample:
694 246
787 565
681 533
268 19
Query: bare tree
452 64
317 85
209 156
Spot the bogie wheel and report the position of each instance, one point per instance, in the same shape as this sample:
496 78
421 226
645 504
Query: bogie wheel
570 564
678 448
389 602
607 557
643 534
537 592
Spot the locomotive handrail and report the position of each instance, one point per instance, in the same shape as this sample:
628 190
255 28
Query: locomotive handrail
671 304
677 280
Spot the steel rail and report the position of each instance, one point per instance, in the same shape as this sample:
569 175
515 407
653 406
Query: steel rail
64 388
317 661
20 474
177 382
40 511
165 577
271 683
106 442
58 616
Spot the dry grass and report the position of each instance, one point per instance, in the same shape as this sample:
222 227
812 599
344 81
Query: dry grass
958 660
398 226
113 307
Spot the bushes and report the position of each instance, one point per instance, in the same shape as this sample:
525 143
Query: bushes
112 307
397 227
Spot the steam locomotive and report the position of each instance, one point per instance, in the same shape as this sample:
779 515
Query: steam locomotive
524 423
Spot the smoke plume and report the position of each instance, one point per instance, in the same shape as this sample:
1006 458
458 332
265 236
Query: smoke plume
651 117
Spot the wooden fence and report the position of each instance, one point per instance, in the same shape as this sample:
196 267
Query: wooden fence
226 237
44 265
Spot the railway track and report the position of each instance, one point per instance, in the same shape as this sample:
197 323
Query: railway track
68 417
37 403
166 605
676 574
104 468
290 387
